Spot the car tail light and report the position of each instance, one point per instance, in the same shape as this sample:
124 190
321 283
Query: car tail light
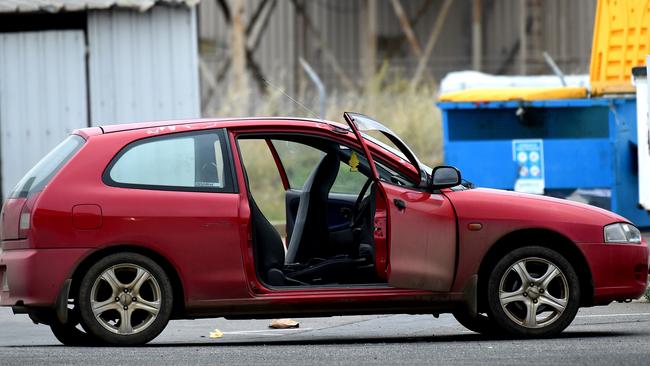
11 214
5 280
25 223
25 218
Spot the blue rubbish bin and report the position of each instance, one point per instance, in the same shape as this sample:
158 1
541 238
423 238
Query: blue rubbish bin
589 146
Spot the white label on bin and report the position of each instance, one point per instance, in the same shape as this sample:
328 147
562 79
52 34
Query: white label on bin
529 156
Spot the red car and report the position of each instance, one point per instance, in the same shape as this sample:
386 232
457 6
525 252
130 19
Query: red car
121 228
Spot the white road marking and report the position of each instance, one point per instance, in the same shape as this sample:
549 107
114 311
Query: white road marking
268 332
611 315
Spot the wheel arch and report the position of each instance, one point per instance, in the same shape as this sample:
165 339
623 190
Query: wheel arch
170 270
539 237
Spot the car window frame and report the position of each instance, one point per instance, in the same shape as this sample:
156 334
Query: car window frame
354 145
230 180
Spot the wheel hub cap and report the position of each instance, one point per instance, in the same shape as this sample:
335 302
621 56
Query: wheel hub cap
533 292
125 299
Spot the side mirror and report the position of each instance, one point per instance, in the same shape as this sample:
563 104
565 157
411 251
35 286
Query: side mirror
445 177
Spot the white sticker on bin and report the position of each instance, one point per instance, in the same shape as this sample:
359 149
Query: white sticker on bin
528 155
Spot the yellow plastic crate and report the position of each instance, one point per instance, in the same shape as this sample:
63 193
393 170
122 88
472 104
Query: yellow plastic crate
621 42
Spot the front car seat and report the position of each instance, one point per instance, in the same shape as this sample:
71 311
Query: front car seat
310 235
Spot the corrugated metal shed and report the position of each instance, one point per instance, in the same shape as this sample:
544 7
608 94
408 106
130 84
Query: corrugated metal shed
53 6
123 65
42 96
143 66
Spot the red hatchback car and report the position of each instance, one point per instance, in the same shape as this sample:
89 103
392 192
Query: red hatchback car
121 228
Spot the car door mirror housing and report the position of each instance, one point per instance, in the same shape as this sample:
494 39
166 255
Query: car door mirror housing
445 177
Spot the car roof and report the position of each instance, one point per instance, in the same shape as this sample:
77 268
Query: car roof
167 126
217 122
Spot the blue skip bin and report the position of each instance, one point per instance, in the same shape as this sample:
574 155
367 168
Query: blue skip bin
586 147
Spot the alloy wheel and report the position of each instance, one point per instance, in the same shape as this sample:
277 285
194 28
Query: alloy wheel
125 299
534 292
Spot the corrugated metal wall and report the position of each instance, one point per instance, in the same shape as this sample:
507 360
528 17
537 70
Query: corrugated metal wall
567 31
143 66
276 50
42 96
566 35
339 24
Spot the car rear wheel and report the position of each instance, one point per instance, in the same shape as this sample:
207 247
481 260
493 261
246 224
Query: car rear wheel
533 292
125 299
69 334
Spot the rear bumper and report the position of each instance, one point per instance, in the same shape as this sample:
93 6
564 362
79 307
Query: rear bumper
619 271
34 277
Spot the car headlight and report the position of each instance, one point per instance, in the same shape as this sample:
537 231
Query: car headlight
622 233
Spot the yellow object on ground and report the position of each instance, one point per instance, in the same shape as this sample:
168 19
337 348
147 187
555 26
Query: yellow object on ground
514 93
216 334
621 42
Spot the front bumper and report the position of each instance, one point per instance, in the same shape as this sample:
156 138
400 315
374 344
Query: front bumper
34 277
619 271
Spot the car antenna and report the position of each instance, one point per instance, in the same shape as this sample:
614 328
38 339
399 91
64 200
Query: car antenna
290 98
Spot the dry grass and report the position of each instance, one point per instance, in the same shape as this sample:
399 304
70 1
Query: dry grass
410 113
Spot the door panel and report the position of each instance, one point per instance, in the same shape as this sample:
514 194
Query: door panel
421 225
422 239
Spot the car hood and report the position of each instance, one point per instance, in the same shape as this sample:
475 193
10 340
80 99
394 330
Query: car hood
513 210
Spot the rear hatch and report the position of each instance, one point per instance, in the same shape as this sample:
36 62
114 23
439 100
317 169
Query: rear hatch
16 211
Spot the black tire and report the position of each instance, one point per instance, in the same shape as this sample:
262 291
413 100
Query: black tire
479 323
559 299
130 300
69 335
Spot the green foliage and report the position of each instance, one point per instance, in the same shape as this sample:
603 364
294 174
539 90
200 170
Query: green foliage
647 292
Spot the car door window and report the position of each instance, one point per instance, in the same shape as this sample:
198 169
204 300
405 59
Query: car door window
185 161
264 180
299 160
350 179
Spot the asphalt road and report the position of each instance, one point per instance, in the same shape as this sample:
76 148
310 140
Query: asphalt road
619 333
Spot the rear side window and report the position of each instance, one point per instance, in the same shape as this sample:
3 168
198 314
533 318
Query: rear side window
40 175
184 161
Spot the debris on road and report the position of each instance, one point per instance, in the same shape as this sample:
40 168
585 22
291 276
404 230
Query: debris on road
284 324
216 334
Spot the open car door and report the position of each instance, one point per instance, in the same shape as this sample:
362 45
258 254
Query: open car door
421 224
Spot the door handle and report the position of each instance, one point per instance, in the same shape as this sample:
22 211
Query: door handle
401 205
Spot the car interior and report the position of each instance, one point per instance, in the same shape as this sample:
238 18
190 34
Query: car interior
329 230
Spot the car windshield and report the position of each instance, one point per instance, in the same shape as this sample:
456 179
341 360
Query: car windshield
367 125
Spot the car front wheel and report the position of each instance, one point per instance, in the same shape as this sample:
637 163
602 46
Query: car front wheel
478 323
125 299
533 292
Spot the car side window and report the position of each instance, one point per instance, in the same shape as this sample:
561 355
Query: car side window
184 161
298 160
349 179
393 176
